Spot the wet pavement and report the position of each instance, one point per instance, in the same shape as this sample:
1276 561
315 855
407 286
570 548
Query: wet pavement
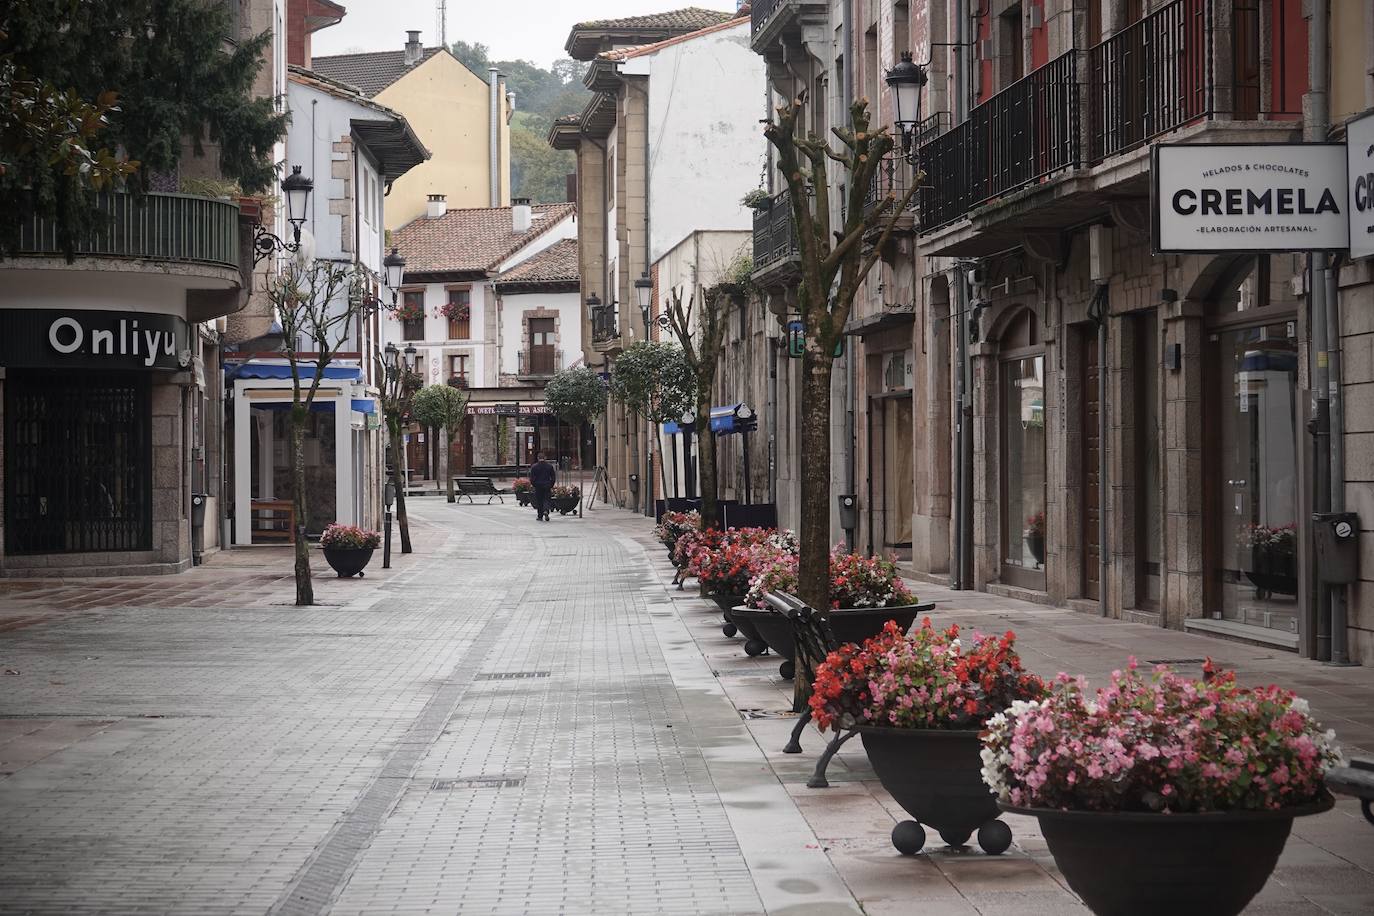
517 718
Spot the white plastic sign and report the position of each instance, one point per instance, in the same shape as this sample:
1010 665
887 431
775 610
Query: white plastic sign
1359 139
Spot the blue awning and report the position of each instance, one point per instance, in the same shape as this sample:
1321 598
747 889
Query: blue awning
282 371
365 405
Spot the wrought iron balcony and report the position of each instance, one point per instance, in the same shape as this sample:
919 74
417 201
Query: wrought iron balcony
775 234
156 227
540 362
604 324
1022 134
459 380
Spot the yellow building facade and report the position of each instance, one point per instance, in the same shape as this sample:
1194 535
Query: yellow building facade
451 108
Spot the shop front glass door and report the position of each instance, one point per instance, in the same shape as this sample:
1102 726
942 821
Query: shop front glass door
1023 471
1255 571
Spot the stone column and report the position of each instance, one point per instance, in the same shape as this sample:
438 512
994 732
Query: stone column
987 533
1182 466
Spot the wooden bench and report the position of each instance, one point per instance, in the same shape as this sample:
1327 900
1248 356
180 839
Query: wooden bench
499 470
272 520
478 486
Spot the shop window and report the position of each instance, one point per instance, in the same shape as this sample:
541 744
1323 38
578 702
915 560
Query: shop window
1023 484
78 463
458 370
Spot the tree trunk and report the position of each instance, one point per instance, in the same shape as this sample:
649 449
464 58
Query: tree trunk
707 470
448 456
305 591
813 572
398 478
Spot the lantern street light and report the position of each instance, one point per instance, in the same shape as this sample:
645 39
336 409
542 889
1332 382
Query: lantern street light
905 80
644 293
410 357
296 188
395 266
593 303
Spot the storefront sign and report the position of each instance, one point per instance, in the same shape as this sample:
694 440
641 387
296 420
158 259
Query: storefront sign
1249 197
1359 140
52 339
507 410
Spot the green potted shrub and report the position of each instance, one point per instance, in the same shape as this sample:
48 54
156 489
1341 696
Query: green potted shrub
918 703
348 548
1164 792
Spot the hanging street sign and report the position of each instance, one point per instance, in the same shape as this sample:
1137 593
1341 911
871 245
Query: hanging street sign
1359 140
1249 197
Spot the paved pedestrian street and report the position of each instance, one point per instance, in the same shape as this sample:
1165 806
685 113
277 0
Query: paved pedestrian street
517 718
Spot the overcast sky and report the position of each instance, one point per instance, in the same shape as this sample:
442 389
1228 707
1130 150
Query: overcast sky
513 29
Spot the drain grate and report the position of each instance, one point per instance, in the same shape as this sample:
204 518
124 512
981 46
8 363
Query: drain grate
478 782
1175 661
510 675
767 714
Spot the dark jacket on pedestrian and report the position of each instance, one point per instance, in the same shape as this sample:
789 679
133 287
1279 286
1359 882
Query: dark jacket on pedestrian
542 475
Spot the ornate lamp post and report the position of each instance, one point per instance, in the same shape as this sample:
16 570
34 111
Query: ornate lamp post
395 266
906 80
296 188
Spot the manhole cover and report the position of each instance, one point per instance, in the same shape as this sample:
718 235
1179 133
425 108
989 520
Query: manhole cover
767 714
510 675
477 782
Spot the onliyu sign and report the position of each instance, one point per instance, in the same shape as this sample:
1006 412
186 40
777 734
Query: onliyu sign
1249 197
1359 139
90 339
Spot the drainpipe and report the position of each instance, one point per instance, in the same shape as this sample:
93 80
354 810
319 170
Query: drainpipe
851 374
1340 650
652 441
963 441
494 139
1316 125
1103 430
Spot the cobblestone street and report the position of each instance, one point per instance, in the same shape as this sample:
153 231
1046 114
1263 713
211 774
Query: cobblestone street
517 718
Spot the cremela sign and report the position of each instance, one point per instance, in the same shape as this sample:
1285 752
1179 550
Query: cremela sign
1359 139
1243 197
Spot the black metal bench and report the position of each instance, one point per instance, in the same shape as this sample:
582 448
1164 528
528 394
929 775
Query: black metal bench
814 641
478 486
499 470
1357 780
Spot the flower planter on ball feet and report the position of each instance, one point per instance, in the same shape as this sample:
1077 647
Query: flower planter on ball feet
936 776
1126 863
348 562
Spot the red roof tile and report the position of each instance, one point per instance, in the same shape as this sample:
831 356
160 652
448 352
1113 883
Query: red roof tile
555 264
474 240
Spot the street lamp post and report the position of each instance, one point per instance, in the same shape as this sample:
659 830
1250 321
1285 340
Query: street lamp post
689 419
905 80
644 290
296 188
388 497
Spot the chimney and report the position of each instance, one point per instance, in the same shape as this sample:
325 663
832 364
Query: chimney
520 215
494 139
572 187
413 49
438 206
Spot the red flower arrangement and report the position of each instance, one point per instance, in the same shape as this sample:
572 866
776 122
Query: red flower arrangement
855 581
455 311
674 525
408 311
925 680
725 562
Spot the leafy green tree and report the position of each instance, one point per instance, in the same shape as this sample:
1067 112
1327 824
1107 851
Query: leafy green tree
655 380
538 171
177 84
442 407
474 55
576 396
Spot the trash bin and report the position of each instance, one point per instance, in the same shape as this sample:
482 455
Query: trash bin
198 501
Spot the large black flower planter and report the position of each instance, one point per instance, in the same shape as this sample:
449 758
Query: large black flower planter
725 602
524 497
936 776
848 625
1136 863
348 562
565 505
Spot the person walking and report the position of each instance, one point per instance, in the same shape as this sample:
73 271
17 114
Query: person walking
542 478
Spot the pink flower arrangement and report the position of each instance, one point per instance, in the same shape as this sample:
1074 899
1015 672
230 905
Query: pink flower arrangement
725 562
674 525
408 311
855 581
925 680
521 485
1162 743
349 537
454 311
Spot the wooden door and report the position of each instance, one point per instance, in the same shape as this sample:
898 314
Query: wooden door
542 350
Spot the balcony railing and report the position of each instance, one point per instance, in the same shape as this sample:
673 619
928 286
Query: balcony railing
459 380
1153 77
775 234
541 362
1149 78
1022 134
759 11
156 227
604 324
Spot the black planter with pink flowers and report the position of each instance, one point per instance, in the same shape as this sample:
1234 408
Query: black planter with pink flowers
1132 863
848 624
936 776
